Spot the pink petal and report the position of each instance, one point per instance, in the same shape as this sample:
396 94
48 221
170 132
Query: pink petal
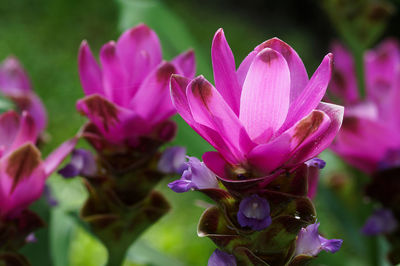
114 76
365 140
13 78
58 155
209 109
225 71
382 69
139 50
265 98
312 94
31 103
322 138
344 81
179 100
153 101
186 64
298 73
111 120
244 67
275 154
27 131
270 156
9 126
89 71
21 180
215 162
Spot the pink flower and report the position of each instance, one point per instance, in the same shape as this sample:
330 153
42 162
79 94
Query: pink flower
128 96
369 134
22 171
264 116
15 84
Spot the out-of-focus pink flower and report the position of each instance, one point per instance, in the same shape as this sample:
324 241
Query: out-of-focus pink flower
128 96
15 84
370 126
265 115
22 171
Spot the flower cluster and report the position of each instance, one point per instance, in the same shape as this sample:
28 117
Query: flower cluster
265 120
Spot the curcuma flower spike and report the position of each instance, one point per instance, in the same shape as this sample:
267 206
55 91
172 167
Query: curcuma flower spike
129 106
264 116
369 138
128 96
22 177
267 124
15 85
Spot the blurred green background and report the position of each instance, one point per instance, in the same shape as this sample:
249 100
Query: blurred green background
45 36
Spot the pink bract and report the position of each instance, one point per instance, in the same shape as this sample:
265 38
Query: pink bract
371 125
128 95
22 171
263 116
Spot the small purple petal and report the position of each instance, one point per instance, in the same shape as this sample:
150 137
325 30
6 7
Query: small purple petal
82 163
254 212
220 258
316 162
173 160
382 221
196 176
330 245
181 185
51 200
310 243
31 238
390 160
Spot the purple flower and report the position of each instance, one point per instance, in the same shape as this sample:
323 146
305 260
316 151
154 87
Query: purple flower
316 162
22 171
196 176
310 242
173 160
220 258
15 84
370 125
128 96
82 163
254 212
267 113
382 221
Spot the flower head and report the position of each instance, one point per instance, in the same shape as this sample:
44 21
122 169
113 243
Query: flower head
15 84
220 258
196 176
22 171
128 96
254 212
310 242
263 116
370 126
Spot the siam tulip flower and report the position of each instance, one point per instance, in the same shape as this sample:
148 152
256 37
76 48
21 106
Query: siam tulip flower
128 95
22 171
369 138
310 242
220 258
15 84
264 116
